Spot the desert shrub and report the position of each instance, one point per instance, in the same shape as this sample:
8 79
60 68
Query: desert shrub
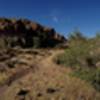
76 55
96 80
98 35
11 42
76 35
3 43
90 75
82 57
84 74
3 78
80 54
36 42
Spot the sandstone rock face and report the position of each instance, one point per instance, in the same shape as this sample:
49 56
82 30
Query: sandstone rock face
26 30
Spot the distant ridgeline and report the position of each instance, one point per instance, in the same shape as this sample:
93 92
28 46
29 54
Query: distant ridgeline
24 33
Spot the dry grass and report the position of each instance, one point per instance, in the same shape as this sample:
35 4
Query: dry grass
3 78
49 82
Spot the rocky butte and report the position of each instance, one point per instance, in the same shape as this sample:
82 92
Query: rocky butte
26 33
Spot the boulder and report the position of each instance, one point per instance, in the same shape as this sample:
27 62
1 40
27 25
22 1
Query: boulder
25 30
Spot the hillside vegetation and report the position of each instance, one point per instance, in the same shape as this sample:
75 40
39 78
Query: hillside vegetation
28 71
83 57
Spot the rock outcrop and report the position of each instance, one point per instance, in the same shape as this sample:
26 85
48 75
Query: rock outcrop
28 32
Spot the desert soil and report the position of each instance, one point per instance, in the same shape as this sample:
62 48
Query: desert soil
35 76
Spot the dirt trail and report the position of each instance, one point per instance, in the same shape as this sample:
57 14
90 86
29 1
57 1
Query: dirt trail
48 82
46 62
49 66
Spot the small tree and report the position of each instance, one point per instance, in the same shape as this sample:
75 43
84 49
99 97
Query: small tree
98 35
76 35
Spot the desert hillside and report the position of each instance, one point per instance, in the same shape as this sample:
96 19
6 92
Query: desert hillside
36 63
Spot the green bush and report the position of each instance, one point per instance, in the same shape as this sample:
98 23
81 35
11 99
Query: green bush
82 57
3 42
90 75
96 80
78 54
9 42
76 35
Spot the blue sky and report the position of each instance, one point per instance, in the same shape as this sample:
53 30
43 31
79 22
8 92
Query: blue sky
63 15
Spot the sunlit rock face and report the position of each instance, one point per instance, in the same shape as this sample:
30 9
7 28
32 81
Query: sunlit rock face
27 31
